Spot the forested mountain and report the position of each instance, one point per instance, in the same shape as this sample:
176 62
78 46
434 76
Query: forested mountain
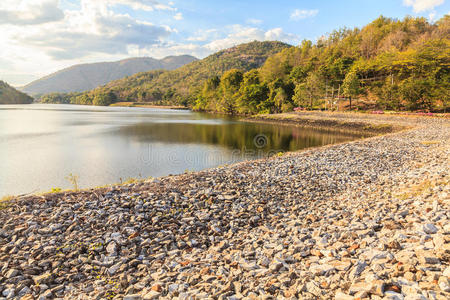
179 86
9 95
86 77
390 63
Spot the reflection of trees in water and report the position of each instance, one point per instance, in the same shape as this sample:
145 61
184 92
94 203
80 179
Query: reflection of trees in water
233 135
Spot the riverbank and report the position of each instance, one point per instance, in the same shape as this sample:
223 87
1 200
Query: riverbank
365 219
140 104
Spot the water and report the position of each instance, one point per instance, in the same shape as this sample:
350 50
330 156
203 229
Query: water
40 145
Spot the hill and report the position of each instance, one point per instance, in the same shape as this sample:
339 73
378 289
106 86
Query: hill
84 77
9 95
178 86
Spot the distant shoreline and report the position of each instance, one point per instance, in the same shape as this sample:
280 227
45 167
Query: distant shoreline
137 104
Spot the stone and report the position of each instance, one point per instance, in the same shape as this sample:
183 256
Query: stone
112 248
429 228
132 297
43 279
341 296
11 273
444 283
390 295
152 295
357 270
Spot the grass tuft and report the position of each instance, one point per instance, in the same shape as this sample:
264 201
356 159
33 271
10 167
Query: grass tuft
5 201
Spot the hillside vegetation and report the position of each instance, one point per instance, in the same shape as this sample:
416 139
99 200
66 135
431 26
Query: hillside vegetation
179 86
389 63
84 77
9 95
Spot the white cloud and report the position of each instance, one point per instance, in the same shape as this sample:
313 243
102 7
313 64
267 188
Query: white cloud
178 16
92 31
300 14
254 21
27 12
94 28
423 5
146 5
203 35
241 34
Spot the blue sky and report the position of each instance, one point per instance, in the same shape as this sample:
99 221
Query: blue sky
43 36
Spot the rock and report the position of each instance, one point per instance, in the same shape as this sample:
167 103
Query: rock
151 295
43 279
9 293
444 283
377 287
112 248
390 295
341 296
357 270
11 273
429 228
132 297
446 272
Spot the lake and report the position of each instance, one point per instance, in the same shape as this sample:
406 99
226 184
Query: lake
41 144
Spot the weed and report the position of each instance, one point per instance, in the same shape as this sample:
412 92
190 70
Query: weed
73 179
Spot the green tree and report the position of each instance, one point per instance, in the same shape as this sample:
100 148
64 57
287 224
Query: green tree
417 92
351 86
229 86
310 91
104 99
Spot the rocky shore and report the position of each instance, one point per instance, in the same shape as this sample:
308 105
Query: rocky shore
362 220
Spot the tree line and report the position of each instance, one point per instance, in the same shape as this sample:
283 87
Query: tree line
391 64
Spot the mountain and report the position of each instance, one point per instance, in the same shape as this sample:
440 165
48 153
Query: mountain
84 77
9 95
179 85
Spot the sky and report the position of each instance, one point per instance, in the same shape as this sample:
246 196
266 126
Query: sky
39 37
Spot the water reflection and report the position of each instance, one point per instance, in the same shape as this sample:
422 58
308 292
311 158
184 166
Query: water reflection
41 144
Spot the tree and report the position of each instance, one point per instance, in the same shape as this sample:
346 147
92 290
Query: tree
229 86
417 92
104 99
308 92
351 86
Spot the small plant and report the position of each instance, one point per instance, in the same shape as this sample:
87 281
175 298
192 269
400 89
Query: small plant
279 154
73 179
5 201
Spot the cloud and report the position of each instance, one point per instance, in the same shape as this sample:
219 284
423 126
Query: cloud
146 5
254 21
240 34
300 14
109 34
29 12
204 35
178 16
423 5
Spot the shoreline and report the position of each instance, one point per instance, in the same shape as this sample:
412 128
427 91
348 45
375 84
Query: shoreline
367 218
137 104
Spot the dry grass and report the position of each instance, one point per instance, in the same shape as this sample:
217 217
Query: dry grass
5 201
417 190
427 143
